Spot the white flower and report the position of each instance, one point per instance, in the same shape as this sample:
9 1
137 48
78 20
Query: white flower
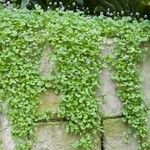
62 8
101 13
108 9
122 12
137 13
8 3
60 3
73 3
107 13
145 16
111 14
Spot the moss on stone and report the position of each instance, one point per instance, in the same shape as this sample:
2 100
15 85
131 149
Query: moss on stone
114 127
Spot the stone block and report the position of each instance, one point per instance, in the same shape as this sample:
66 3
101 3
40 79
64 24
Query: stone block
7 142
112 106
52 136
148 119
1 140
107 46
49 101
114 136
46 65
146 78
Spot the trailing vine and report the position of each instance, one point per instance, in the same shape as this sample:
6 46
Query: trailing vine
20 81
77 77
128 56
76 43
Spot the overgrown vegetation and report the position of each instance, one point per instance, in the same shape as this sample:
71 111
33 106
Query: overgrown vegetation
76 43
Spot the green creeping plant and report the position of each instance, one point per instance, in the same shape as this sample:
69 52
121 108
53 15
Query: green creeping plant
76 42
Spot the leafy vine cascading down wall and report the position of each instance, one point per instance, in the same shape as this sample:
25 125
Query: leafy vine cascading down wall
76 49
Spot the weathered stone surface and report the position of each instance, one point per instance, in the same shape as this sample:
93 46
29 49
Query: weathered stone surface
1 141
46 66
107 46
49 100
146 80
114 130
7 142
53 136
148 116
112 106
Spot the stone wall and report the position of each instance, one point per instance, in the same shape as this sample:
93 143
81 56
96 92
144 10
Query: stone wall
52 135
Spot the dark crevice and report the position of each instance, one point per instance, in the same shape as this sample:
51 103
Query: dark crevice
113 117
64 119
51 120
102 137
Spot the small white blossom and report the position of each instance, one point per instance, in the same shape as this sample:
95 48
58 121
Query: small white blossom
55 3
122 12
107 13
8 3
137 13
60 3
145 16
62 8
108 9
111 14
74 4
101 13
